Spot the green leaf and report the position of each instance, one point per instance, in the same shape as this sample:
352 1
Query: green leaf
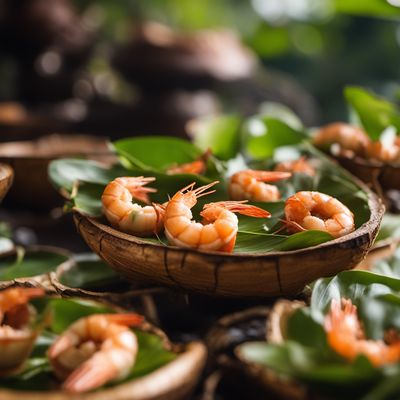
389 267
375 113
89 273
219 133
64 173
272 356
65 312
262 136
155 153
31 263
270 109
389 229
303 329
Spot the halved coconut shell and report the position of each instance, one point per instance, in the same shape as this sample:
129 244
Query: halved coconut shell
232 275
30 160
6 179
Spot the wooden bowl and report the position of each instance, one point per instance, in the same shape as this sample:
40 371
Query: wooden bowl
283 387
380 176
231 275
6 179
18 123
30 160
172 381
222 339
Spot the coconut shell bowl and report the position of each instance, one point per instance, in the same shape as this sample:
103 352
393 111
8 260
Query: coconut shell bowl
162 370
258 266
30 160
268 274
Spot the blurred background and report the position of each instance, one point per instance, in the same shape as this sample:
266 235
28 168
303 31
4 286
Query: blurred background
128 67
112 69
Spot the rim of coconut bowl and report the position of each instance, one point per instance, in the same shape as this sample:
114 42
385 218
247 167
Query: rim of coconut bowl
268 274
172 381
6 179
41 280
114 297
380 175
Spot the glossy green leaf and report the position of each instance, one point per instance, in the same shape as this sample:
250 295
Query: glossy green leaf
389 229
375 113
89 273
155 153
29 264
219 133
64 173
270 109
262 136
389 266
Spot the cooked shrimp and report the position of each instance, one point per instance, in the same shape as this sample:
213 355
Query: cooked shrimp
249 185
131 217
300 165
220 225
349 138
384 151
345 335
95 350
196 167
16 336
315 210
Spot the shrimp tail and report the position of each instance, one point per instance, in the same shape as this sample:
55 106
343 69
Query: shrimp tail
196 167
239 207
131 319
268 176
32 293
61 344
136 186
92 374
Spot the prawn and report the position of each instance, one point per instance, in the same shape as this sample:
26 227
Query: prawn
219 227
345 335
300 165
314 210
95 350
131 217
16 335
349 138
385 152
196 167
249 185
